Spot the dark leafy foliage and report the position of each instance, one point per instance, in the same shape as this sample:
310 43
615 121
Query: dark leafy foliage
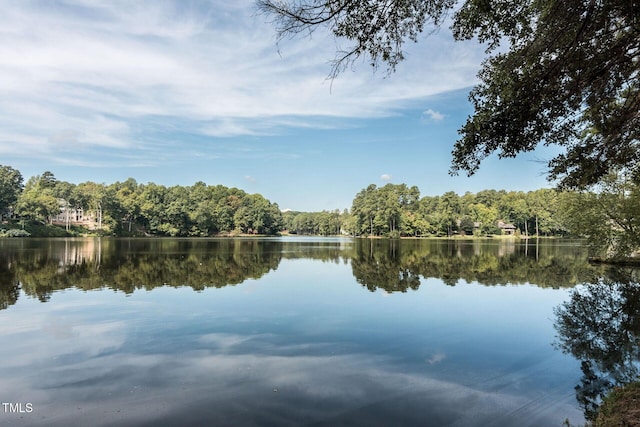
10 188
569 78
377 29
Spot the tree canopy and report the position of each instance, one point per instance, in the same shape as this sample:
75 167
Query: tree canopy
609 218
557 72
10 188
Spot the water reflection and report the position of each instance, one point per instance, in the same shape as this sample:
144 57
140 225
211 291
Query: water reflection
45 266
304 345
600 327
398 265
42 266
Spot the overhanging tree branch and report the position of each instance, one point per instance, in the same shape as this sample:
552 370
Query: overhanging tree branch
567 67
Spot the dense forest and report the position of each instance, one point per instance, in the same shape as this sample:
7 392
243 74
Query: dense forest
130 208
606 217
398 210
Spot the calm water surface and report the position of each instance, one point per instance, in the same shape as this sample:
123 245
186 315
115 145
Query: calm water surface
290 331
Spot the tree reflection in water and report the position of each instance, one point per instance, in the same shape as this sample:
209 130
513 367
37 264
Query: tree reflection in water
46 266
600 326
40 267
377 265
397 266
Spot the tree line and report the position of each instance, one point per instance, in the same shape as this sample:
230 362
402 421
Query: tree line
128 207
606 215
398 210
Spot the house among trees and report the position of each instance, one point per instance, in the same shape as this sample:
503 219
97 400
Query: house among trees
74 216
508 229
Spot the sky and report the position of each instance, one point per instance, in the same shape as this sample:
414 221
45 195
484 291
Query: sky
175 92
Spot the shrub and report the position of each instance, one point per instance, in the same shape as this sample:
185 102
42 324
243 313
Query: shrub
17 233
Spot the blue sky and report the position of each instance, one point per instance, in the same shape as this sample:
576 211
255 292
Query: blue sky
175 92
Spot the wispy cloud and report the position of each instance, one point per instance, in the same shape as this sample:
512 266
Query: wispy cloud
386 177
80 74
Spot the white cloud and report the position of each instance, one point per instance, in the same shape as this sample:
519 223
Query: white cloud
433 115
386 177
102 71
249 178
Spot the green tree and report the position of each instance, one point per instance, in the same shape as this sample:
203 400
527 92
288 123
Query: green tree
467 200
127 198
36 202
554 69
513 207
177 207
201 210
428 212
486 217
47 180
65 191
608 218
449 212
364 209
97 198
257 215
414 224
11 186
228 202
152 205
466 225
545 211
349 223
380 210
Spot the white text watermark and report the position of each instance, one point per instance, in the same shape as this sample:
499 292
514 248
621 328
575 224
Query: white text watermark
16 408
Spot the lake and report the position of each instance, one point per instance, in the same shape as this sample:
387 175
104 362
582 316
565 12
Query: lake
288 331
